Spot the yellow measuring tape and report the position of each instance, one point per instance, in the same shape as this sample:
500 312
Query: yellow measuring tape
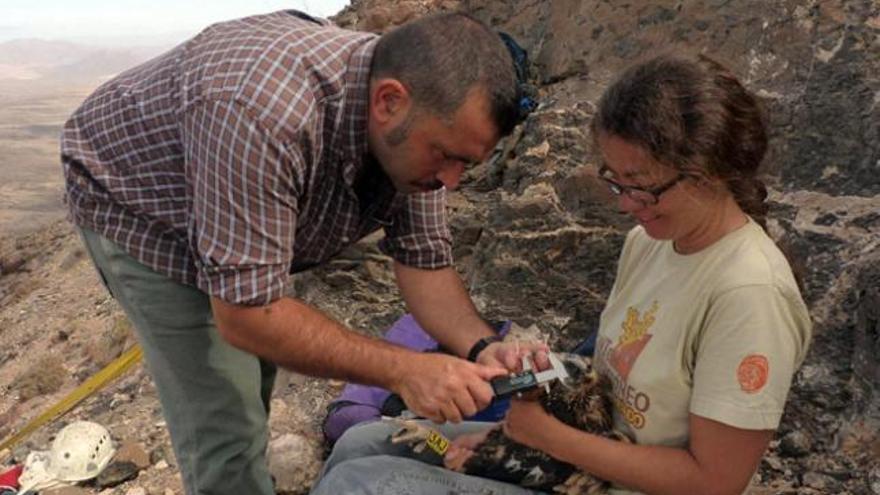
119 366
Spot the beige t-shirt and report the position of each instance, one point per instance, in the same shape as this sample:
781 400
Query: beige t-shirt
718 333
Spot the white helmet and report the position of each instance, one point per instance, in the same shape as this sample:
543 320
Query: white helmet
80 451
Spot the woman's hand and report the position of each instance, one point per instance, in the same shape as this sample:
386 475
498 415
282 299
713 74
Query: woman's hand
462 448
526 421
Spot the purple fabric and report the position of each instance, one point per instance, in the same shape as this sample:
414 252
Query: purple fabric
359 403
347 414
408 333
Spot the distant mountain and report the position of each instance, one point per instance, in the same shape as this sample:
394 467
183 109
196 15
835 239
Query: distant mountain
32 59
37 52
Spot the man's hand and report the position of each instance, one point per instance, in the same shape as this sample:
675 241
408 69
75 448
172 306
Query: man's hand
444 388
509 355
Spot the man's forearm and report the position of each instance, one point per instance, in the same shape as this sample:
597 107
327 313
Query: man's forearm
440 303
298 337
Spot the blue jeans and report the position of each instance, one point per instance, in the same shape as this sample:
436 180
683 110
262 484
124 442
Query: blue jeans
365 462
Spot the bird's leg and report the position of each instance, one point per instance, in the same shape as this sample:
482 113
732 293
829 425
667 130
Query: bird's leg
418 437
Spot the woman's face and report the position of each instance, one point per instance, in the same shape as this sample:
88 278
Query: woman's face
668 204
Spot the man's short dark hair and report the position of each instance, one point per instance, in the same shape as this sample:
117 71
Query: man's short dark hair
440 57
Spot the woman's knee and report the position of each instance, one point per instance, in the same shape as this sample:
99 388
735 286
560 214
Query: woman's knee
371 432
363 440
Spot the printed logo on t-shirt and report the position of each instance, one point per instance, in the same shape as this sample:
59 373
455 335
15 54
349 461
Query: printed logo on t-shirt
752 373
632 340
631 403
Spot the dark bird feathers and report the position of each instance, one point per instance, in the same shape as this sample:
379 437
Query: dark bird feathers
583 403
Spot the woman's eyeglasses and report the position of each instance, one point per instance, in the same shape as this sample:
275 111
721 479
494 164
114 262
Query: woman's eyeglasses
644 195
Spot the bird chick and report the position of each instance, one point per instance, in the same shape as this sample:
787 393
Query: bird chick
583 402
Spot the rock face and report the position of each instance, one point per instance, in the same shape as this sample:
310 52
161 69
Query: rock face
537 239
866 368
814 63
538 243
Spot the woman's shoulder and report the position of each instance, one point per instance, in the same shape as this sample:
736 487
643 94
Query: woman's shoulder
754 259
637 245
637 239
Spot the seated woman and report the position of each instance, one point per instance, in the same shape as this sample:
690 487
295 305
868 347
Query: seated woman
703 329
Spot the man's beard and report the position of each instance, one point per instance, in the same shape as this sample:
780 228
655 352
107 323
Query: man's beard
399 134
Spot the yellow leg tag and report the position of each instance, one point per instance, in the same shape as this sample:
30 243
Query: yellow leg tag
437 442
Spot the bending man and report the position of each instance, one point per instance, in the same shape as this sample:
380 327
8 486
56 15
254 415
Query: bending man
202 179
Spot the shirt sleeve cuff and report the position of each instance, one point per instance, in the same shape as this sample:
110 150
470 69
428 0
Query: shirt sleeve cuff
411 250
747 418
248 286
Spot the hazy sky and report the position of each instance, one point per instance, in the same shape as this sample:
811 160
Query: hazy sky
140 21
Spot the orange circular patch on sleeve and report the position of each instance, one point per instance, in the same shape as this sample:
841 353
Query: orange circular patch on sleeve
752 373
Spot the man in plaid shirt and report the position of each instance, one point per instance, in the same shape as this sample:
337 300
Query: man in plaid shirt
202 179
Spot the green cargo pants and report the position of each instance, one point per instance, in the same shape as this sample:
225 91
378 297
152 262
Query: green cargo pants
215 397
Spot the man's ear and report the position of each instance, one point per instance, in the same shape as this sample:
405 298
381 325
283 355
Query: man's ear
390 101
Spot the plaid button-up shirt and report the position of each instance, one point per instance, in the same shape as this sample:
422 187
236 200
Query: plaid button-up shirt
240 157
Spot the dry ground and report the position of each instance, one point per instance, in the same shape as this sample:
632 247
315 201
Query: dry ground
30 172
